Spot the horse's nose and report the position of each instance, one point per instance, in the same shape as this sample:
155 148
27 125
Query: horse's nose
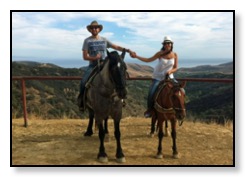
184 113
122 94
181 114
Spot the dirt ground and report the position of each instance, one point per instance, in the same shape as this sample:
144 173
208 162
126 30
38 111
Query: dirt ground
61 142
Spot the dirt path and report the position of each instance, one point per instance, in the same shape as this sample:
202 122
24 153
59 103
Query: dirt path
61 142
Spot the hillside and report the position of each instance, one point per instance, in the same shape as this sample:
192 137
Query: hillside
226 68
49 141
57 99
136 70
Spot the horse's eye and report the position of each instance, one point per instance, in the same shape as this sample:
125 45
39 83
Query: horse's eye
118 65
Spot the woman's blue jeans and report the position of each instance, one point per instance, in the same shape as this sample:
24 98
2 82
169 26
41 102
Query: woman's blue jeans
152 90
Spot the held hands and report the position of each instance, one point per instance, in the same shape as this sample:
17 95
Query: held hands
132 54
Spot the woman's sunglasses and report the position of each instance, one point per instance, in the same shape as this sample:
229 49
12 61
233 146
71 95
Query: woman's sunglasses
165 43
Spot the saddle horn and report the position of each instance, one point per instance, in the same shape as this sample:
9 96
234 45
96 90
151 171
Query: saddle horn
108 53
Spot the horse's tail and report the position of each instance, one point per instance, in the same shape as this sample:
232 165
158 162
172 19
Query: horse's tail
157 125
155 120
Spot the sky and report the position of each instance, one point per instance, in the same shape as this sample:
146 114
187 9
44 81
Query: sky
183 50
52 36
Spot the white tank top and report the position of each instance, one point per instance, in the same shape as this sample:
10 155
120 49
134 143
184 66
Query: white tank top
162 67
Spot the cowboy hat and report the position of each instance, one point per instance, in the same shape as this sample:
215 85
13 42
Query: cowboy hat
167 39
94 23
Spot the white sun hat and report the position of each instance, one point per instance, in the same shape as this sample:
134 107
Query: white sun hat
167 39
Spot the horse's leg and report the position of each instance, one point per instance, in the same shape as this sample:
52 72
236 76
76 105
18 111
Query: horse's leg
166 133
106 125
153 125
119 155
102 156
160 137
89 131
107 138
173 134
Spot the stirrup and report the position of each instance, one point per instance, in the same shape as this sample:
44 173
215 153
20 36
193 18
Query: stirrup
80 103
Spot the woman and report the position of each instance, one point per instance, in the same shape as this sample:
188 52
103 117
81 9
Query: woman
166 66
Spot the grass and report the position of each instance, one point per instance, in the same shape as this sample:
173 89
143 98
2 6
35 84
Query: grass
61 142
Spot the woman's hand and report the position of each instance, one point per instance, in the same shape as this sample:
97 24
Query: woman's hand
132 54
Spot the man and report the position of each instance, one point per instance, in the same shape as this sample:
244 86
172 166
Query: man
94 50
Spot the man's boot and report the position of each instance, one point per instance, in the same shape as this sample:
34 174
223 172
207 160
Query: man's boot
80 102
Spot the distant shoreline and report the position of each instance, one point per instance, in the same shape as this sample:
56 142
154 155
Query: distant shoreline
76 63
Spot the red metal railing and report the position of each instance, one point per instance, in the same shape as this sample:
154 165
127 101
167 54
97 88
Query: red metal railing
24 78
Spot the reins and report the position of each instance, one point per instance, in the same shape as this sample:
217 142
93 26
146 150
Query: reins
101 77
161 109
111 90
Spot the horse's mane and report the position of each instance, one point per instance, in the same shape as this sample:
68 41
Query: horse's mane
114 59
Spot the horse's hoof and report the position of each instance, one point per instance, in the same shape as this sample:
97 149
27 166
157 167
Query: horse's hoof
103 159
121 160
151 135
88 134
107 138
159 156
176 156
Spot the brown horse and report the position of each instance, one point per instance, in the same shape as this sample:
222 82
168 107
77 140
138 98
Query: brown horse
169 106
104 99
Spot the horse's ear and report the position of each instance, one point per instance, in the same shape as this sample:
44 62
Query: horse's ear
123 53
183 84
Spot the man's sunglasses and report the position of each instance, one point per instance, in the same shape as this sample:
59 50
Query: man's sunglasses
94 27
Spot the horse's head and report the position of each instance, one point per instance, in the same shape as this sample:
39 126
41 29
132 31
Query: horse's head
178 98
118 73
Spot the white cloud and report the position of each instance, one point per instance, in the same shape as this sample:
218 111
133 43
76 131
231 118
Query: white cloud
145 32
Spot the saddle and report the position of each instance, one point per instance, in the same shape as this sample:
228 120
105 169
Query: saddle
91 77
161 85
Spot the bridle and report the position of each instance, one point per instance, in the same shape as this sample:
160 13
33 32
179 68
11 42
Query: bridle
172 109
179 90
118 75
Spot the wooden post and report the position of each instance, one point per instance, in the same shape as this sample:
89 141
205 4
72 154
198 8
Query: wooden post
79 78
23 87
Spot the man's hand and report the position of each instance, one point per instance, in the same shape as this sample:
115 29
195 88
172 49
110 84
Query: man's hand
98 56
132 54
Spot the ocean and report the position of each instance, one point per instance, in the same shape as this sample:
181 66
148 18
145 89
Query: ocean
77 63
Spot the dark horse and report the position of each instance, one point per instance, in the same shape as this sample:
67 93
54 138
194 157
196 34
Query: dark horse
89 131
104 99
169 106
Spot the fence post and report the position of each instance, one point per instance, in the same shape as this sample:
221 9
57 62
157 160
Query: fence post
23 88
